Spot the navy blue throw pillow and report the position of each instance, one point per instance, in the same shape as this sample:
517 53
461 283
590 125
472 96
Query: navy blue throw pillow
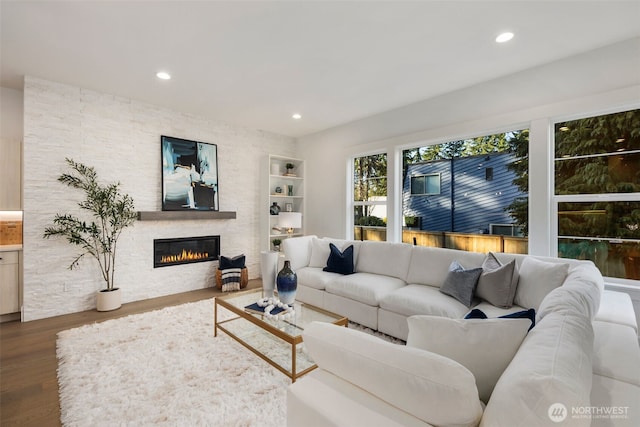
235 262
524 314
476 314
340 262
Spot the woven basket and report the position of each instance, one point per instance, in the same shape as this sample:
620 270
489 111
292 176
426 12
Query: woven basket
244 278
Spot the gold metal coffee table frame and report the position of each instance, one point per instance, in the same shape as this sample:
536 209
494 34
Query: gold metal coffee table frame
269 339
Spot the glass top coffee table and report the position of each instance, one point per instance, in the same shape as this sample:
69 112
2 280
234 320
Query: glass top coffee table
275 341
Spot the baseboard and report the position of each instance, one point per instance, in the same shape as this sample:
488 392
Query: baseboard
9 317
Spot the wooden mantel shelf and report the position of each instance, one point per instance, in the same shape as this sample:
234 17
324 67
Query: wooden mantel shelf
184 215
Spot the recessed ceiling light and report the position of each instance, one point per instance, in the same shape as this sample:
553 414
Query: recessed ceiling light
296 116
564 129
163 75
504 37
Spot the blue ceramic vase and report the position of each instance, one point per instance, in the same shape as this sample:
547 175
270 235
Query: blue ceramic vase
287 284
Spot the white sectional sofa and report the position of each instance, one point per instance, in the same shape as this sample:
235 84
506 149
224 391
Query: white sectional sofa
582 356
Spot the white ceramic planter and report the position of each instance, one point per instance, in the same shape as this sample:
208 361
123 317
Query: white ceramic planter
109 300
269 270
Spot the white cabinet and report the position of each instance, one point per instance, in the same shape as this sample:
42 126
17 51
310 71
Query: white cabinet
9 282
10 174
283 191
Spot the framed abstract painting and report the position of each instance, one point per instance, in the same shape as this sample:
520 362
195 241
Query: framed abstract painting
189 175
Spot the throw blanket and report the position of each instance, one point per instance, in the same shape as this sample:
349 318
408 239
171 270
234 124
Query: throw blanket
231 279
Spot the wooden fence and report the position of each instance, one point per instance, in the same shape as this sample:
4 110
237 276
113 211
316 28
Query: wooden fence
462 241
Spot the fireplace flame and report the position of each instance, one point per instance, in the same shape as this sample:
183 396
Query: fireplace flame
184 256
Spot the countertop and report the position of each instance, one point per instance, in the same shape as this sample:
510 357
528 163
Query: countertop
9 248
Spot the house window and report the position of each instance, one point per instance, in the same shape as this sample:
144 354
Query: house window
370 197
597 191
425 184
488 174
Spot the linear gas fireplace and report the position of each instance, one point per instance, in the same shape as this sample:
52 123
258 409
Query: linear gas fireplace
185 250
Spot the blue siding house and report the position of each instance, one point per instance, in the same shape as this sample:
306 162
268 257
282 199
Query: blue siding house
464 194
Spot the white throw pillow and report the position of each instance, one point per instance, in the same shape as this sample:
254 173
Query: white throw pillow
320 252
484 346
537 279
428 386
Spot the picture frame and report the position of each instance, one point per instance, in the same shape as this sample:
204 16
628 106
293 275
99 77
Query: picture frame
189 175
288 207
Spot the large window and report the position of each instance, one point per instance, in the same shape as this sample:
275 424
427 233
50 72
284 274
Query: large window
457 191
370 197
597 191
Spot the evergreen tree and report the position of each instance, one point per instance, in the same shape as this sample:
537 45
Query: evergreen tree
518 142
599 155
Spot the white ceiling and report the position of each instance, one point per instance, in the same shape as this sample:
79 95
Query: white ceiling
256 63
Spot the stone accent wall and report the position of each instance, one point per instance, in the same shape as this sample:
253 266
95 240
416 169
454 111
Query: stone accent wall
121 138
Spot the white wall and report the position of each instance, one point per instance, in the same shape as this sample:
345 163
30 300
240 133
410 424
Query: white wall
598 81
10 114
10 143
121 139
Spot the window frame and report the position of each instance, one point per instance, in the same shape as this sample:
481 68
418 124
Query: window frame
557 199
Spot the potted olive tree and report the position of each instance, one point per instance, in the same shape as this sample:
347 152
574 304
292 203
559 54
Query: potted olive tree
112 212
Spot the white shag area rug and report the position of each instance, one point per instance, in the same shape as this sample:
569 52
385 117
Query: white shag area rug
165 368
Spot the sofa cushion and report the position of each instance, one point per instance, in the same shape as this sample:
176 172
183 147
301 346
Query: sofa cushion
320 252
366 288
616 307
340 262
537 279
618 397
616 353
315 277
460 283
298 251
498 283
419 299
322 399
388 259
553 365
485 347
428 386
430 266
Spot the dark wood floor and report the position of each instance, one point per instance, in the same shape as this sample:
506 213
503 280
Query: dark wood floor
28 364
